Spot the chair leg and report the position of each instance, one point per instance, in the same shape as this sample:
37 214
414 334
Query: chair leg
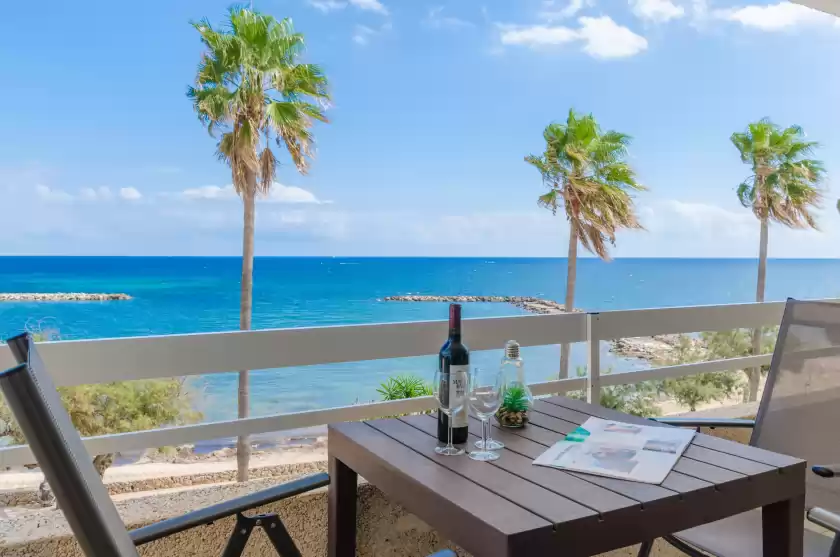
644 550
835 547
684 547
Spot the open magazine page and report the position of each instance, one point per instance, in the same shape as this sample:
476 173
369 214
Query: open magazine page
619 450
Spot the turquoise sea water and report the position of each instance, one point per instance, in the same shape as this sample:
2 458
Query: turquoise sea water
181 294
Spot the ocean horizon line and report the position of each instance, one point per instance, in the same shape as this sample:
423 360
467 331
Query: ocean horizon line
438 257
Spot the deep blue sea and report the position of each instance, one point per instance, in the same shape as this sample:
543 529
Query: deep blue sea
192 294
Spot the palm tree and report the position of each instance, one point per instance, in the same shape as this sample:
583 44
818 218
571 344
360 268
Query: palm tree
251 88
783 187
585 172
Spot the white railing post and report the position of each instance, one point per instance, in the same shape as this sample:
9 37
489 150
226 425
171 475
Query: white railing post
593 347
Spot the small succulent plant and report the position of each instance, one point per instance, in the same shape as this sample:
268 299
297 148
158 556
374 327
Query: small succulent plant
514 409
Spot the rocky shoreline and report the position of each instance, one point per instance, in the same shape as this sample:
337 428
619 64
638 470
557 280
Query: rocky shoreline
60 297
528 303
650 349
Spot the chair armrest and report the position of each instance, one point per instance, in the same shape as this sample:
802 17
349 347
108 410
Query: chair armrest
213 513
824 518
444 553
826 470
706 422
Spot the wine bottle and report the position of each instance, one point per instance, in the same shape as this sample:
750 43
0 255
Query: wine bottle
454 359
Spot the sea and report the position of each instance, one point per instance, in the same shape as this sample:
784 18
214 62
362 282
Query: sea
201 294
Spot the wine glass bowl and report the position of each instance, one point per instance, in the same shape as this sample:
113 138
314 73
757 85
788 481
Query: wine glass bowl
485 397
450 393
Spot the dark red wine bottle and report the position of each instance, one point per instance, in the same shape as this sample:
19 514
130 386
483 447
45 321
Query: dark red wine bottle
454 358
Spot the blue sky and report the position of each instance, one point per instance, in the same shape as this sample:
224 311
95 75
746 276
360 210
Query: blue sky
435 104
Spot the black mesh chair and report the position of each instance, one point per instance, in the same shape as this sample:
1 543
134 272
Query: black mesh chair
82 496
798 416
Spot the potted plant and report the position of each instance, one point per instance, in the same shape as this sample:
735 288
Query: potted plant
514 409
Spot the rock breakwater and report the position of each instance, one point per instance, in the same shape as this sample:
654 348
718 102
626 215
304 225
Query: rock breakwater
651 349
528 303
60 297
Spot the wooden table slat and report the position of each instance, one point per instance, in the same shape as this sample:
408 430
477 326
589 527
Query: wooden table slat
422 485
550 422
727 454
528 495
511 508
705 471
514 441
573 416
675 481
745 451
579 490
725 460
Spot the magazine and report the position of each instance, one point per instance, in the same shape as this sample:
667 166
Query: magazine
619 450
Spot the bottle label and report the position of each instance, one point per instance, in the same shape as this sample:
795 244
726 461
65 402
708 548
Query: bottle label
458 389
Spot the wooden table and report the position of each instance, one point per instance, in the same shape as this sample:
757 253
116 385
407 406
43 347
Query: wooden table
512 508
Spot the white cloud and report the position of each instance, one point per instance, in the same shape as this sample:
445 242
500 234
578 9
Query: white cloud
604 38
362 34
278 194
549 13
538 35
291 194
775 17
210 192
370 5
327 6
99 194
130 194
601 37
46 193
657 11
436 20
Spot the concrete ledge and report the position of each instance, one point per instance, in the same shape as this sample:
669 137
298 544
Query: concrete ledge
226 473
384 529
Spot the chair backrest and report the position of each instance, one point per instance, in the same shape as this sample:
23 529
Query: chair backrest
58 449
799 413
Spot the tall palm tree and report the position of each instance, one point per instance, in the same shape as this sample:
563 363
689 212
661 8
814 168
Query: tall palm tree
585 171
252 89
784 187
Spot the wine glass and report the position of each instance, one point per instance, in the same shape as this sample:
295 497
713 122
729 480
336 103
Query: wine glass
450 391
485 398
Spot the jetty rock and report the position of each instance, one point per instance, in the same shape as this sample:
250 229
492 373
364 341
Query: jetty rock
60 297
528 303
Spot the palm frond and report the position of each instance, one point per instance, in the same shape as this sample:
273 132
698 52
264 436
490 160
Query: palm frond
268 170
247 64
785 186
585 171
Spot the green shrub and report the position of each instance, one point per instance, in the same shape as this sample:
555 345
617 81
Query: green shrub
694 390
116 408
638 399
402 386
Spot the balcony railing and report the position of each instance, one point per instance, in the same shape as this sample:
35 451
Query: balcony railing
82 362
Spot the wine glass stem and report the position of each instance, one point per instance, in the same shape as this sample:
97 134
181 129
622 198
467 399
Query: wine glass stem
451 416
484 433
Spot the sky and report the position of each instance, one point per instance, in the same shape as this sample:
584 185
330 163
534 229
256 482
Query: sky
435 104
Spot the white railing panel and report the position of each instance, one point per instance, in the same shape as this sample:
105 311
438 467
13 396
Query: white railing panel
82 362
180 435
647 322
558 387
173 436
670 372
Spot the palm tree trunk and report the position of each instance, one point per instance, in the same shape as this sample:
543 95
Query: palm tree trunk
755 373
569 304
243 447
